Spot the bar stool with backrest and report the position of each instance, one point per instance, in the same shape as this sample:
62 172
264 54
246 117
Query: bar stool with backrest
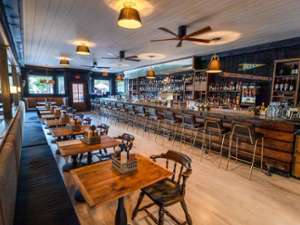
214 129
169 191
130 115
141 116
153 120
168 125
245 132
189 129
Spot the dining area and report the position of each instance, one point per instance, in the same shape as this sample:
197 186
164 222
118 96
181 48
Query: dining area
143 112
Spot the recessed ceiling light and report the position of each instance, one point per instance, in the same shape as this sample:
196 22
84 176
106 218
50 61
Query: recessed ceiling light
151 56
219 37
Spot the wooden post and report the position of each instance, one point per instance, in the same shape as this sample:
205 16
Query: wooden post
5 84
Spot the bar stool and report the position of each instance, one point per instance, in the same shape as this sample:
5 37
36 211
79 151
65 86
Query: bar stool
213 127
189 129
130 115
245 132
153 120
169 125
141 117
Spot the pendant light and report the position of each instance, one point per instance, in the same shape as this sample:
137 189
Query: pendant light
214 65
151 72
64 62
119 77
82 50
129 17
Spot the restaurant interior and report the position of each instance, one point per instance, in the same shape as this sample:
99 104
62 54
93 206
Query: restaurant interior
149 112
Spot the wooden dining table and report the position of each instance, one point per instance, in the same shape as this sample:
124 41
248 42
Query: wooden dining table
75 147
54 123
100 183
60 132
49 117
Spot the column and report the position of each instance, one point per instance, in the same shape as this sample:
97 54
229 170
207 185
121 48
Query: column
15 83
5 83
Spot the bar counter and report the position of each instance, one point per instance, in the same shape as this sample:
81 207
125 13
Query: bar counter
279 134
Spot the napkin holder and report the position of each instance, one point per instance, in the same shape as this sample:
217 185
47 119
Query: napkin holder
124 162
91 136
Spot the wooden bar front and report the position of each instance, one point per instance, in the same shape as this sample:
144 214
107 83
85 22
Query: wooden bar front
279 134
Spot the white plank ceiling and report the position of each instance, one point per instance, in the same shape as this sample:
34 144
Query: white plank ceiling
50 27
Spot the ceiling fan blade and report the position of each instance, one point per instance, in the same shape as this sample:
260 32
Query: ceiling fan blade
167 30
102 67
201 31
110 58
197 40
168 39
179 43
132 59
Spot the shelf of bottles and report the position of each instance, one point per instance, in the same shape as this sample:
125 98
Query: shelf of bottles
286 82
232 93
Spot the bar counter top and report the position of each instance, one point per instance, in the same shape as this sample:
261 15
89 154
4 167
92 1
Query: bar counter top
279 134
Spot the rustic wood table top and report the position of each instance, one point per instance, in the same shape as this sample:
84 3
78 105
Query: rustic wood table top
81 147
49 117
65 131
100 183
55 123
45 112
44 103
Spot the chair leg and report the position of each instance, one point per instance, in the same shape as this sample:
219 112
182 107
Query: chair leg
136 209
229 152
187 215
221 150
253 160
161 216
262 155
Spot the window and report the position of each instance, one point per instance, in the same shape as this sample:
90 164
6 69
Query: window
78 95
61 85
101 87
38 84
120 86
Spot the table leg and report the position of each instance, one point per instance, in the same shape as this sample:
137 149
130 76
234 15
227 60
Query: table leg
121 216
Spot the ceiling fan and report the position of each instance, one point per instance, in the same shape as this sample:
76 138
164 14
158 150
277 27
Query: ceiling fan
95 66
123 57
183 36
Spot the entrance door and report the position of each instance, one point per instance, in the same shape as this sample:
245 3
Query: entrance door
78 96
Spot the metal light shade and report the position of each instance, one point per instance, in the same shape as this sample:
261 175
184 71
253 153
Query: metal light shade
214 65
64 62
129 18
150 74
82 50
119 77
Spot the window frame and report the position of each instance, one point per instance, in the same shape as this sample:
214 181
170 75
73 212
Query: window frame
93 87
41 94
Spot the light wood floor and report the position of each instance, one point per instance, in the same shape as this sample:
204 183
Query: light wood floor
214 196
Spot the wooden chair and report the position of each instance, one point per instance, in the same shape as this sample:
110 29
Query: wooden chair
169 191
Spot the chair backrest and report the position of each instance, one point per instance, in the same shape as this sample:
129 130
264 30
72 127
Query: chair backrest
188 120
169 116
140 110
244 131
127 141
103 128
179 164
213 125
152 113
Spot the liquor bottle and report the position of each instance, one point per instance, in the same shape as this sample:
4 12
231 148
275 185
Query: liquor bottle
291 86
286 86
276 86
281 86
